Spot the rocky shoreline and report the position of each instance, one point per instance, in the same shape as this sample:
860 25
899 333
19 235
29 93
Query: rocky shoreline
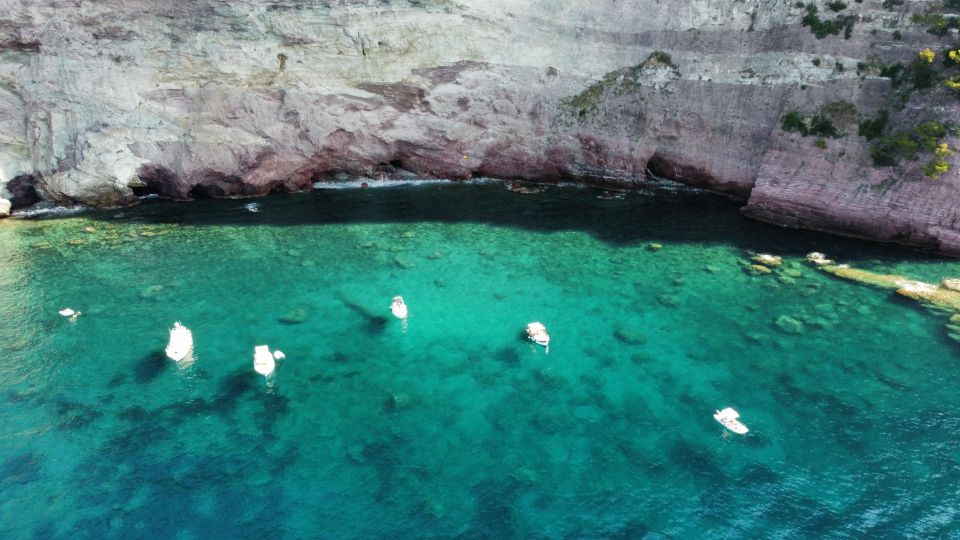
766 102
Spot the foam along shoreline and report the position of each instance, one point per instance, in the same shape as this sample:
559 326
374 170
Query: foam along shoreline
45 209
370 183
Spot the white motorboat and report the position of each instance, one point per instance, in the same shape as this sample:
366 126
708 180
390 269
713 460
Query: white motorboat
538 334
66 312
278 355
263 361
181 342
729 419
398 307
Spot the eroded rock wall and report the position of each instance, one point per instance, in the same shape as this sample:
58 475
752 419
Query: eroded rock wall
102 100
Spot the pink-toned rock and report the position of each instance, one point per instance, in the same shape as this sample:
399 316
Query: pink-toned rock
103 101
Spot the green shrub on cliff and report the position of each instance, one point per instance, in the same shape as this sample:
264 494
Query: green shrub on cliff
793 121
888 151
822 126
920 73
872 128
822 28
925 137
938 24
824 123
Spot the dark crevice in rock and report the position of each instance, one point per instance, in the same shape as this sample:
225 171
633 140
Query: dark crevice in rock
23 191
666 167
18 45
157 180
200 191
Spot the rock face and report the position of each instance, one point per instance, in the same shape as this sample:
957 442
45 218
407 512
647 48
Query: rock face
101 101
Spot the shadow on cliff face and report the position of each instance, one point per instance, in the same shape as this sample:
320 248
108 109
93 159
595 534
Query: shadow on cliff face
650 214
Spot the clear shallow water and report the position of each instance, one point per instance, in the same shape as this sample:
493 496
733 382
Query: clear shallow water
456 427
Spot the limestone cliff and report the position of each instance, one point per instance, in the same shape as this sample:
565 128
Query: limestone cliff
100 100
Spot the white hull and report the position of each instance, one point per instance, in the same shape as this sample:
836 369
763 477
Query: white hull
181 342
728 418
398 308
540 340
263 362
538 334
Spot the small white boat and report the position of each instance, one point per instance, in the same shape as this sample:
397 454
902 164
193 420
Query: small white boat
181 342
278 355
66 312
728 417
263 361
538 334
398 307
252 207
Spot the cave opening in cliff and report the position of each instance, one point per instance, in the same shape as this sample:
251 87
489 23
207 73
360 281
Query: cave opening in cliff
23 191
155 180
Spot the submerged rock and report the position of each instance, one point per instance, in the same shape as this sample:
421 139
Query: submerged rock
404 262
952 284
630 336
296 316
789 325
398 401
938 297
653 246
953 327
787 280
760 269
151 291
767 260
668 300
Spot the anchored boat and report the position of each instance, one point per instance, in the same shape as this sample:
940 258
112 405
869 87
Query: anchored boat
263 362
538 334
181 342
398 307
729 418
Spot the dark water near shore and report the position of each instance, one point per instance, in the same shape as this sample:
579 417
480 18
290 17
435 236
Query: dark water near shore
452 425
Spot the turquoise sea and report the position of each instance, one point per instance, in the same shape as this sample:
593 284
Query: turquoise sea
452 425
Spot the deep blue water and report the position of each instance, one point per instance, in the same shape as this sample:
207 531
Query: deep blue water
452 425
